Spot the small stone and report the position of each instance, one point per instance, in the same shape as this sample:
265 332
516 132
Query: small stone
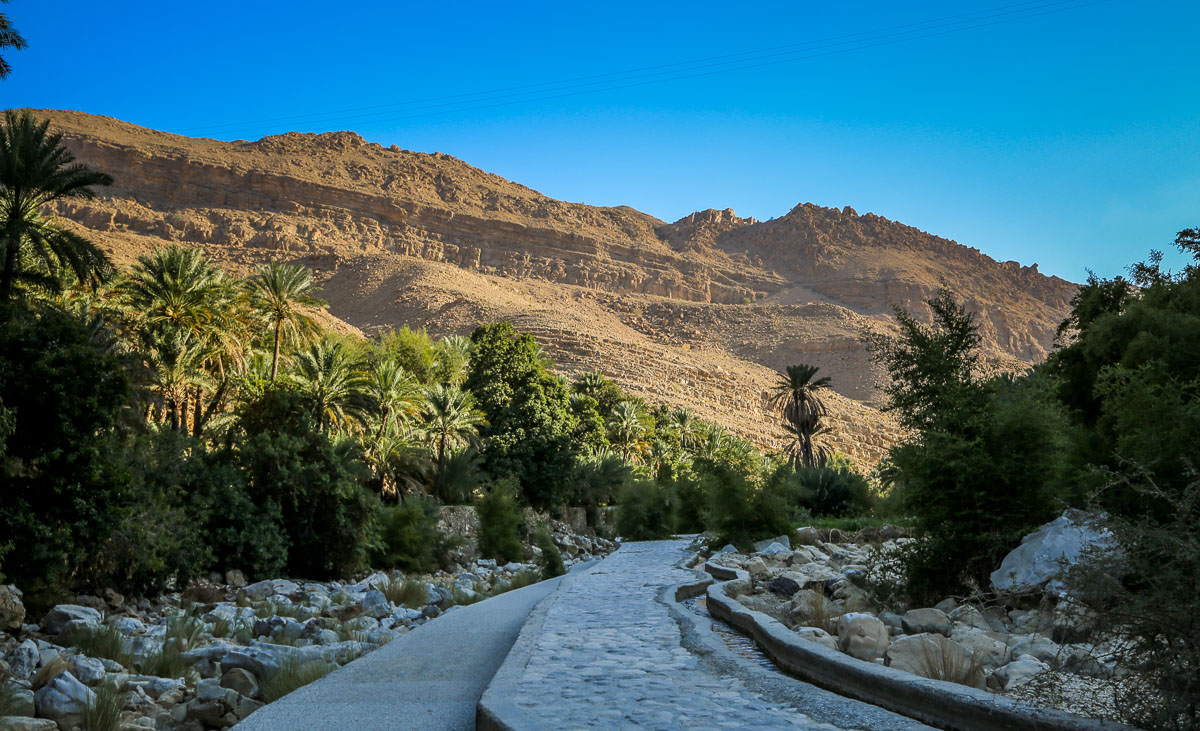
128 625
24 723
765 546
1017 672
820 636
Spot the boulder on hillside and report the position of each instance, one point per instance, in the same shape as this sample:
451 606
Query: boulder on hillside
1037 563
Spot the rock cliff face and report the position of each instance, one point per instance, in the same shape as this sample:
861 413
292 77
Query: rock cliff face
698 312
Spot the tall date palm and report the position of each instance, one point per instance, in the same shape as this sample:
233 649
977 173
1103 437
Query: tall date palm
282 293
35 169
798 393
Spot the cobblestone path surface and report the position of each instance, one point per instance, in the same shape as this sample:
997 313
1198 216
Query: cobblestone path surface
609 655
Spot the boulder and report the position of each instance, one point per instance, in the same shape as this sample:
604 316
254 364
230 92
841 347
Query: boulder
764 546
987 647
1038 562
240 680
68 616
62 699
783 586
375 604
756 567
969 616
235 578
128 625
89 671
1018 672
862 636
935 656
921 621
24 723
23 659
1039 647
12 610
22 701
820 636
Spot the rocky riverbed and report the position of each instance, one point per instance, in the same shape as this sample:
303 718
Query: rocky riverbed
210 656
822 591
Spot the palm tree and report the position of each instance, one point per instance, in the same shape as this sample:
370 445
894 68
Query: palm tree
682 425
9 38
176 361
394 393
452 357
35 169
178 288
798 392
399 465
326 370
452 420
281 292
627 429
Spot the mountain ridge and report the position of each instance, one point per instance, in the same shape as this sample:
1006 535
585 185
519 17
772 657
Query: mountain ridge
696 312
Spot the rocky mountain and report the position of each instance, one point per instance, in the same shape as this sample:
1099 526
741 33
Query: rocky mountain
697 313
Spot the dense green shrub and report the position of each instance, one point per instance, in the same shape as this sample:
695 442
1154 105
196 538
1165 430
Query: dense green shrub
646 512
500 523
409 537
987 460
551 561
317 486
691 495
62 480
740 513
833 491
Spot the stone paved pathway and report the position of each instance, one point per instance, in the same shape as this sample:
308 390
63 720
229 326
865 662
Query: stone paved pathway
609 656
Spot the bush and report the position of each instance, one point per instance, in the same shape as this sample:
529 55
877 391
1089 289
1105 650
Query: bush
1145 596
102 642
104 712
317 487
837 492
740 514
62 481
405 592
986 459
646 512
409 537
500 523
551 560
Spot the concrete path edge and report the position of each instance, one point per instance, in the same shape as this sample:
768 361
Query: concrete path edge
939 703
495 711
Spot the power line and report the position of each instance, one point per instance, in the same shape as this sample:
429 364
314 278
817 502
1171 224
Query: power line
549 90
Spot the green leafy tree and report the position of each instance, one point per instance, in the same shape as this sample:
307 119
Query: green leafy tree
986 457
35 170
282 295
528 413
62 479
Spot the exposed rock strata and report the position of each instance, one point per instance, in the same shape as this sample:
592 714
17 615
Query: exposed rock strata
694 313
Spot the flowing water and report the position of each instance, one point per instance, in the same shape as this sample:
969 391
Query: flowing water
739 643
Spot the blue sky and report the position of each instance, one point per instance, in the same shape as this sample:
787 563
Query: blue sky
1067 135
